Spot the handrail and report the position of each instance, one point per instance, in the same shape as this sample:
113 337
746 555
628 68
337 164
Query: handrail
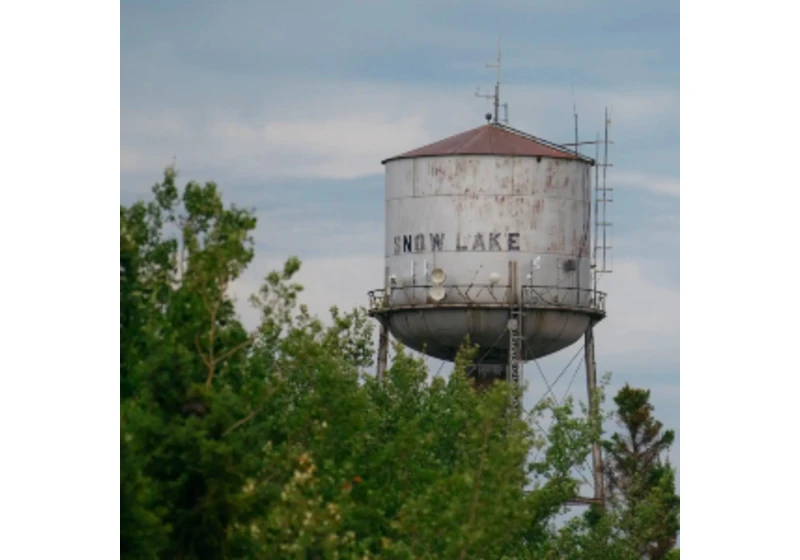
486 295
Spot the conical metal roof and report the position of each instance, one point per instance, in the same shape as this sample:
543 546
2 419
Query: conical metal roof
493 140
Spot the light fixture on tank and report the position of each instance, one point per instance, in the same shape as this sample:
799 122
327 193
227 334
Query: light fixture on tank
437 291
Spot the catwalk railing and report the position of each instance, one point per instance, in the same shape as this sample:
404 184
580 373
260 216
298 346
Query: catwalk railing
487 295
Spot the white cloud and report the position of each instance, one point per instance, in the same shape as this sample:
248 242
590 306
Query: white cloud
345 146
343 282
656 184
343 130
643 321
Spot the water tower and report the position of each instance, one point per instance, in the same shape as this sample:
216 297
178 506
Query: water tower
489 236
483 227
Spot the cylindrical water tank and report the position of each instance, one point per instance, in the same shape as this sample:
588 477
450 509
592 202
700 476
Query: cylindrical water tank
480 224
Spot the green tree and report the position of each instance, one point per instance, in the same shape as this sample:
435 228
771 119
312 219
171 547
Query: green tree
641 518
275 444
640 481
182 356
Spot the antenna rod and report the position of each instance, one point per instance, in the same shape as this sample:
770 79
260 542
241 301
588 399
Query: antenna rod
496 97
605 190
497 102
596 208
577 143
575 114
498 66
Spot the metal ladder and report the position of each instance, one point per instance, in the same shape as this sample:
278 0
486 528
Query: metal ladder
515 337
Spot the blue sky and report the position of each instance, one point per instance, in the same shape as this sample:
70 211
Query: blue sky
291 106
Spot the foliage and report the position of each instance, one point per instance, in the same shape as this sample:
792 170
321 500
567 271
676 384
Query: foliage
639 481
274 444
641 520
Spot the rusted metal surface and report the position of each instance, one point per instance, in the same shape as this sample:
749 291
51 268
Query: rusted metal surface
496 140
471 215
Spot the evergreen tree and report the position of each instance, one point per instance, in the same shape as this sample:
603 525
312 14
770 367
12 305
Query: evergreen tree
640 481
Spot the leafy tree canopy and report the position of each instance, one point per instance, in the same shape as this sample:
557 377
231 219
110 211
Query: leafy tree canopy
273 443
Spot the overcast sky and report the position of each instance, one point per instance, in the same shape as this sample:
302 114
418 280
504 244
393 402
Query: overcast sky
291 105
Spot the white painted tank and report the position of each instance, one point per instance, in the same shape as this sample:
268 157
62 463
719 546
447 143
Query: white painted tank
503 218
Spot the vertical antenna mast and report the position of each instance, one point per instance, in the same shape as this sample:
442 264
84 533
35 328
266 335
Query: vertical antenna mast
605 200
575 114
499 67
602 198
596 209
496 96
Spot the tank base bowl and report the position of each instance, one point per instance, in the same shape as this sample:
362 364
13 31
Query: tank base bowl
440 332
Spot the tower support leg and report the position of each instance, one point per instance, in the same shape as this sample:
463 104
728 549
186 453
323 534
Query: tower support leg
383 351
591 386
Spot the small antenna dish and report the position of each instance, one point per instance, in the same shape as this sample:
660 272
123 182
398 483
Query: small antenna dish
437 293
488 117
